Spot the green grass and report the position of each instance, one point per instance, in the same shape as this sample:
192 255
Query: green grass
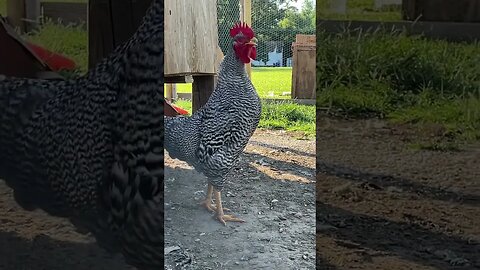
3 8
405 79
281 115
289 116
270 82
68 40
360 10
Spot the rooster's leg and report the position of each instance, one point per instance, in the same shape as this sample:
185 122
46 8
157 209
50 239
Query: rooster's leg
207 203
220 215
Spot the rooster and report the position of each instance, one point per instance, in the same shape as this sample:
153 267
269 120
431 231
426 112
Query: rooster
215 135
91 149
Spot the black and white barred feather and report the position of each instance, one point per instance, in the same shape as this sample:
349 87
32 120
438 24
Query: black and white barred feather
91 149
212 139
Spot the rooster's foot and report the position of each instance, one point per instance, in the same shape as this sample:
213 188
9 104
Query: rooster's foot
210 207
224 218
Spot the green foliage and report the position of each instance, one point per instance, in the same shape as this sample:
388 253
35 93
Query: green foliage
3 8
407 65
68 40
269 82
406 79
280 115
272 20
289 116
305 19
228 13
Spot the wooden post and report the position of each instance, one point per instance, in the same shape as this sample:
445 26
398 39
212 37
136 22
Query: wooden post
32 14
16 13
110 23
168 91
202 88
174 91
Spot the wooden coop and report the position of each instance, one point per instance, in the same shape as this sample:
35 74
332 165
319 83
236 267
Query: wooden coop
191 38
304 65
111 23
191 46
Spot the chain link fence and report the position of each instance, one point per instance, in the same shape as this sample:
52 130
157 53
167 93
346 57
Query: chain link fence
276 24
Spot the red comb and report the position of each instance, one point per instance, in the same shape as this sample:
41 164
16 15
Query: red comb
242 28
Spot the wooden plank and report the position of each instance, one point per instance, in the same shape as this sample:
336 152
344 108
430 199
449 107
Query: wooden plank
179 79
100 34
305 39
190 37
451 31
127 16
303 72
168 93
111 23
66 13
202 88
16 13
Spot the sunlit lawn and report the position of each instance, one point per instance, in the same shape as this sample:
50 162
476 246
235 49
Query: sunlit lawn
270 82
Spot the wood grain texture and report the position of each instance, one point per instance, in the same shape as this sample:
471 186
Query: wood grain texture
191 37
111 23
304 64
202 88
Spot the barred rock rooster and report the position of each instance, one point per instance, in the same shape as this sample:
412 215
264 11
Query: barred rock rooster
215 135
91 149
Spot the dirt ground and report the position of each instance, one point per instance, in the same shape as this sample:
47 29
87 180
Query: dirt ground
36 241
272 188
383 205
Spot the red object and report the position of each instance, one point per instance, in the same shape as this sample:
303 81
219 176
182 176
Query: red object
16 58
180 110
53 60
173 110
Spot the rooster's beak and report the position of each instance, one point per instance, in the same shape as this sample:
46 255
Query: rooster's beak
253 41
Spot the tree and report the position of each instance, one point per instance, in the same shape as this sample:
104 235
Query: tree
266 16
228 13
273 20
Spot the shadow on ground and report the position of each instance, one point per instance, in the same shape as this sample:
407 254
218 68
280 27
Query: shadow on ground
279 232
45 253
